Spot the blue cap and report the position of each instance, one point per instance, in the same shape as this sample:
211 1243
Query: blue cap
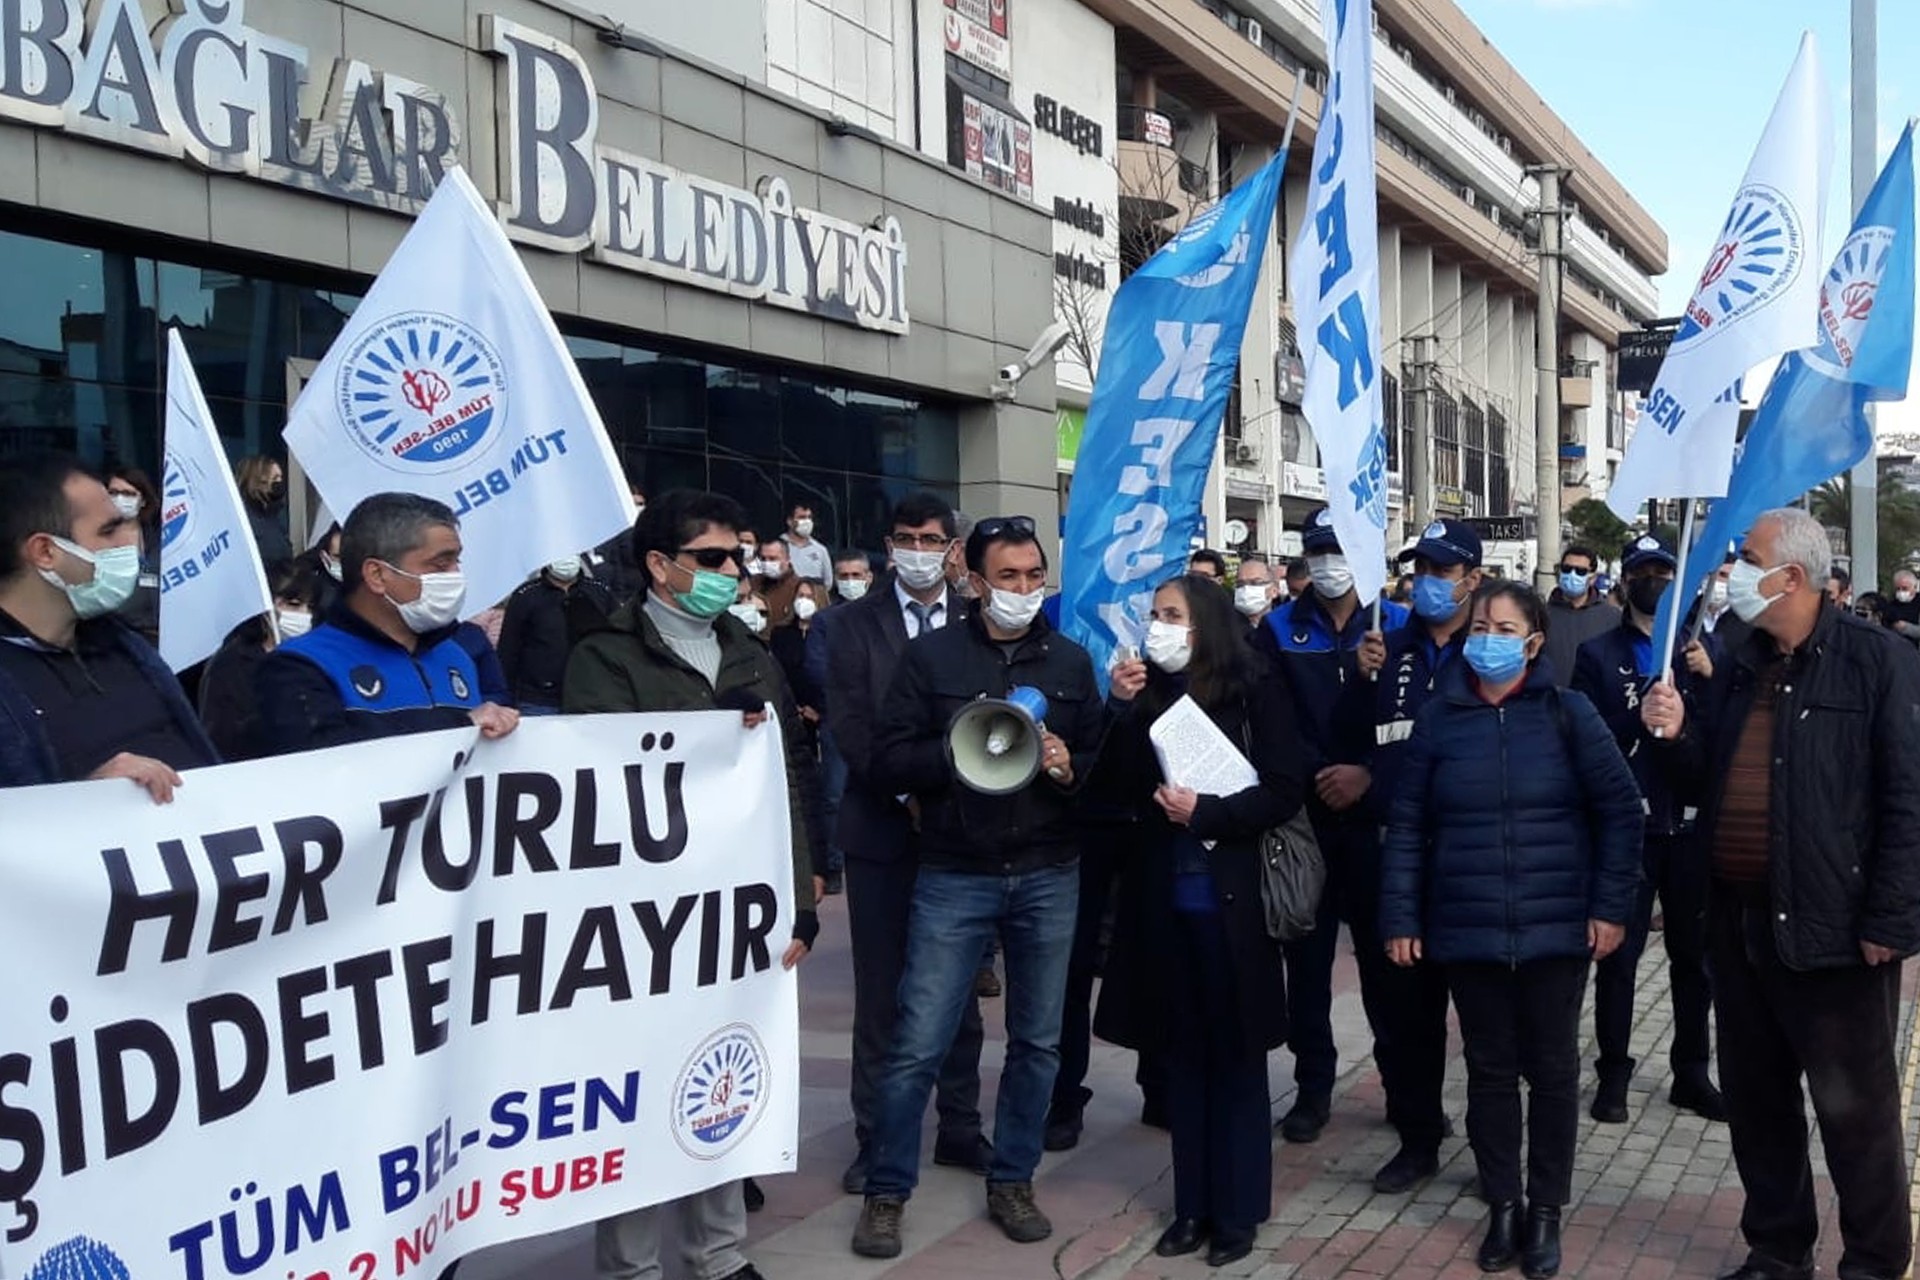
1446 543
1647 549
1318 538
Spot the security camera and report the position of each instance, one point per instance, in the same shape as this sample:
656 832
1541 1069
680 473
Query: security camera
1012 373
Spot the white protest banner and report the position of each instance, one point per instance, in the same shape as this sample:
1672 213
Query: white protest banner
352 1014
211 579
451 381
1757 297
1336 262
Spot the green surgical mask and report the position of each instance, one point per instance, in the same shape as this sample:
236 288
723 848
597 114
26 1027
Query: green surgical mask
711 594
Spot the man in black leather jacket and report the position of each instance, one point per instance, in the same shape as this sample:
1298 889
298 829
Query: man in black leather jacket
1803 752
989 865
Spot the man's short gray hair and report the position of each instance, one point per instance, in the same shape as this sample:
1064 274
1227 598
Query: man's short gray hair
1800 540
385 527
1906 574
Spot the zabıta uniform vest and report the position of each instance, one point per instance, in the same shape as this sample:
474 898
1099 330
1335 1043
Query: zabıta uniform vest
374 677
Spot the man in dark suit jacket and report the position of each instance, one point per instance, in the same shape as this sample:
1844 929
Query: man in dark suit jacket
863 650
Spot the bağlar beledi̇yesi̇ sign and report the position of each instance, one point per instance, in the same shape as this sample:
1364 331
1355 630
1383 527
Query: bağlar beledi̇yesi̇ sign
206 87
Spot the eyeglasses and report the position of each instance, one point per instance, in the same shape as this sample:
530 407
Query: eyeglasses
919 541
711 557
995 526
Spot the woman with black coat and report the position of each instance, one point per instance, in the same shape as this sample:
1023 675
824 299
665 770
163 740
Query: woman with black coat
1512 860
1193 977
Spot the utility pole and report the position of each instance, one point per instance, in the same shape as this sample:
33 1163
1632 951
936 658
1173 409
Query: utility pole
1420 381
1863 538
1546 333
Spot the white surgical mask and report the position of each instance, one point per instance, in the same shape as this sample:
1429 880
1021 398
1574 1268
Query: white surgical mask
772 570
330 565
850 589
1250 598
565 569
127 504
1015 610
438 604
1717 594
116 572
919 569
803 608
754 620
1743 590
292 622
803 528
1332 578
1169 646
1904 596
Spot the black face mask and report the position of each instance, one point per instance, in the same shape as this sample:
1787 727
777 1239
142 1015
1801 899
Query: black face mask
1644 594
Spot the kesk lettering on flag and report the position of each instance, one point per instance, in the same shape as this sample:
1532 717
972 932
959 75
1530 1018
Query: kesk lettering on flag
360 1012
1812 423
1172 345
1336 298
450 380
1755 299
211 579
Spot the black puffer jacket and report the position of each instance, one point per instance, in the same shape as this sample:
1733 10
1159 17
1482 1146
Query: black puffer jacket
962 830
1844 856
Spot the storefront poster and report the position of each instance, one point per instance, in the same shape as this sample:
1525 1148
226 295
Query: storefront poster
979 45
999 148
991 14
352 1014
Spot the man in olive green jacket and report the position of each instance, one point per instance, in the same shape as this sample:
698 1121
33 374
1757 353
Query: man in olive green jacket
674 648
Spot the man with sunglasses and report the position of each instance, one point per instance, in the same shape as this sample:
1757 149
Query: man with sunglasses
1577 611
864 643
675 648
990 865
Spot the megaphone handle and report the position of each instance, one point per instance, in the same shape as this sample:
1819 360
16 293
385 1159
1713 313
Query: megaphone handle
1054 771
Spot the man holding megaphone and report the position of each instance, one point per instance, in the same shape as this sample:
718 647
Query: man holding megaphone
990 724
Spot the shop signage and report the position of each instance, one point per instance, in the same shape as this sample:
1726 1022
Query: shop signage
1082 133
991 14
206 87
1298 480
1502 528
978 44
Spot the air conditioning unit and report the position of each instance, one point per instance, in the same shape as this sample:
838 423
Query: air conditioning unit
1253 31
1245 453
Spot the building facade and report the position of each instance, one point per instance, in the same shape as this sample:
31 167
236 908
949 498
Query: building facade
765 297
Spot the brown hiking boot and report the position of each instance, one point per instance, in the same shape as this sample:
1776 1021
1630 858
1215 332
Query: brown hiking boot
877 1234
1010 1204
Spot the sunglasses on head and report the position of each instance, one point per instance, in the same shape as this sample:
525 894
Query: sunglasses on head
711 557
994 526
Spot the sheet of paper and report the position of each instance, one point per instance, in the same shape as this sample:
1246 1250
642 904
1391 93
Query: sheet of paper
1194 753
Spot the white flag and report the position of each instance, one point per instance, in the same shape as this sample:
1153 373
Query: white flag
210 575
1335 272
1757 297
451 381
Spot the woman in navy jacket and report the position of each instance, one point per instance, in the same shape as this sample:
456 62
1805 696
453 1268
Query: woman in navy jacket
1193 977
1513 860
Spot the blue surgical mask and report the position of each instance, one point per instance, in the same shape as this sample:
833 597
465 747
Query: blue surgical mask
1433 598
1575 584
116 572
1496 658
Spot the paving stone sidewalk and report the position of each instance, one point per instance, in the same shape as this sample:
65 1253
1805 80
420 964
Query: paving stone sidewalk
1654 1199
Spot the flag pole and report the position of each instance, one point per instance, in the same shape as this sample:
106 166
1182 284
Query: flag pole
1679 575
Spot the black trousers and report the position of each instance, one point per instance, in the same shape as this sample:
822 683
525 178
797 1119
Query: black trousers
879 904
1216 1087
1522 1022
1099 861
1310 960
1407 1012
1676 870
1836 1028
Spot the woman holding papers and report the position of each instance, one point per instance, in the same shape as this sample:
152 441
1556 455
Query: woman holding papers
1512 859
1193 976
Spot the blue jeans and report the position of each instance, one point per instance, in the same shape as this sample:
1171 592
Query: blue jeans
954 915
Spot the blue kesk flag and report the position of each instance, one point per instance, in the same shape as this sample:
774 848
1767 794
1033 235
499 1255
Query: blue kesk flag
1172 344
1812 423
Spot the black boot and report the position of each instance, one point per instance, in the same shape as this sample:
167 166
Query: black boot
1501 1249
1610 1099
1540 1257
